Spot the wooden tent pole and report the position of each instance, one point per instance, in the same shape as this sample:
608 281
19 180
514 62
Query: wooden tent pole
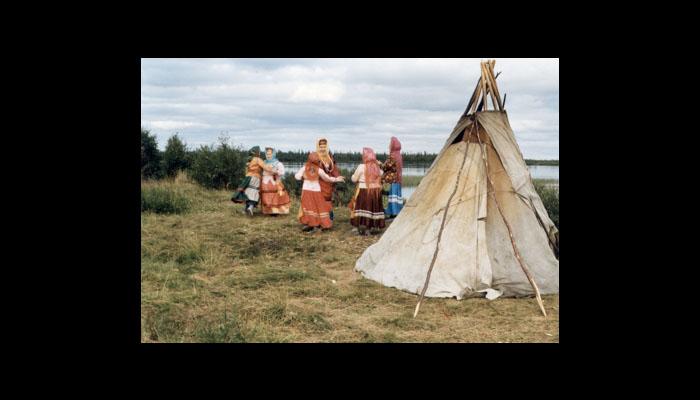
478 108
510 230
494 88
484 88
442 226
478 92
472 100
493 78
485 74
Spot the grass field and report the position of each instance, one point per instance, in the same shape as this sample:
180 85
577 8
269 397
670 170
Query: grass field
211 274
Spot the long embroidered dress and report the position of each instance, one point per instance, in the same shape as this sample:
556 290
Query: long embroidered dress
366 207
330 168
395 198
315 210
275 199
392 176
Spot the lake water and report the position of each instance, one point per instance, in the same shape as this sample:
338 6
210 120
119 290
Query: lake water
544 171
408 170
537 172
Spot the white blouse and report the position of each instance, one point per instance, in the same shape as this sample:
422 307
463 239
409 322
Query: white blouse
314 186
268 175
359 175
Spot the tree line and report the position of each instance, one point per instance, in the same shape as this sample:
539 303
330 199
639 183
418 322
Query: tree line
541 162
222 166
214 167
300 156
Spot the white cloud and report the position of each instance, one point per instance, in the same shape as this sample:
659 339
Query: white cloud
322 91
287 103
170 125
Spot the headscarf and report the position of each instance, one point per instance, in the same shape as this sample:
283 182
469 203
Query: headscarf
372 173
324 156
274 159
253 152
312 165
395 152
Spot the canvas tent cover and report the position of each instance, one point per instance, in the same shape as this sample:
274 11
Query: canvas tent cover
475 255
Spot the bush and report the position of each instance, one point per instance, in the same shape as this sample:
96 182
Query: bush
343 190
175 156
150 156
163 200
292 185
550 199
218 168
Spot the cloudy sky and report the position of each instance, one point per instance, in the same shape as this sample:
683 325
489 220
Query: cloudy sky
288 103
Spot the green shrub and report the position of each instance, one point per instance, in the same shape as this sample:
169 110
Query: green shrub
410 180
218 168
343 190
150 156
292 185
175 156
550 199
163 200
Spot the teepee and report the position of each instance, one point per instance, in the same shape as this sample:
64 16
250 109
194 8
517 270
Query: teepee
475 225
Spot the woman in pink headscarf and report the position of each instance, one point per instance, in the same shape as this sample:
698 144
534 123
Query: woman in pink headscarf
367 210
392 176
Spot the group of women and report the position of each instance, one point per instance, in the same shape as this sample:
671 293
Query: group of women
263 181
320 173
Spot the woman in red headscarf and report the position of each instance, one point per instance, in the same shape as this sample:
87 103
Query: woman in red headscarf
392 176
330 168
367 208
314 210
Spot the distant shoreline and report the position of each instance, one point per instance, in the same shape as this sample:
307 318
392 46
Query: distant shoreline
407 163
542 162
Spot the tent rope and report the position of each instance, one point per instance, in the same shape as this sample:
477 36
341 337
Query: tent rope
510 231
442 226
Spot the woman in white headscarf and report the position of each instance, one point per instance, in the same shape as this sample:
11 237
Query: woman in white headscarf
275 200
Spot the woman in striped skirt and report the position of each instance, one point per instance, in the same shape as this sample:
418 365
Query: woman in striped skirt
367 210
392 176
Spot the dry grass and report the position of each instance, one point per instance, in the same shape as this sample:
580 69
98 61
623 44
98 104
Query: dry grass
213 275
